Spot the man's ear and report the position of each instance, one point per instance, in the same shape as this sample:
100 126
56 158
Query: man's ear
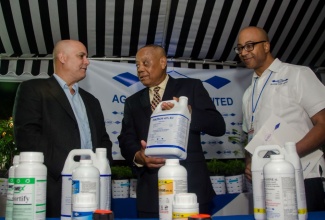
267 47
61 57
163 62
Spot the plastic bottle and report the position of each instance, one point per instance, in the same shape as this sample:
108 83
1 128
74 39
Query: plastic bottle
102 165
292 156
185 205
66 174
172 179
280 189
85 179
168 131
103 215
84 206
258 162
10 191
30 187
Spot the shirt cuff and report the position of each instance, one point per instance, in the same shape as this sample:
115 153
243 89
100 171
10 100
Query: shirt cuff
135 163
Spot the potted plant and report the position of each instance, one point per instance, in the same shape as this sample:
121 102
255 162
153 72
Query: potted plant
234 175
121 176
217 175
7 146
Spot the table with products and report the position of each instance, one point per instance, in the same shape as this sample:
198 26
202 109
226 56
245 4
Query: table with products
311 216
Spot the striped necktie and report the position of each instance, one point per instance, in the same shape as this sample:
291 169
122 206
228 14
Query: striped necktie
156 98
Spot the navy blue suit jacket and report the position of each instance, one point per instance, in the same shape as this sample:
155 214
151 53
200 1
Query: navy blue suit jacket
135 125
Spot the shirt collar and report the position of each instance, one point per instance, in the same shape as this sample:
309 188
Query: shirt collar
64 85
162 85
274 67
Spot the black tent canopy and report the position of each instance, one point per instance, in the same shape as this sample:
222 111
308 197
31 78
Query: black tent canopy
204 30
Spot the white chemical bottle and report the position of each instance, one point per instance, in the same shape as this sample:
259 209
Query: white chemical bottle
292 156
105 178
30 187
84 206
66 174
85 179
168 131
258 161
172 179
104 168
10 191
185 205
280 189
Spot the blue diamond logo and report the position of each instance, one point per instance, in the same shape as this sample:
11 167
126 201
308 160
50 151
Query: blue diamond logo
126 79
217 82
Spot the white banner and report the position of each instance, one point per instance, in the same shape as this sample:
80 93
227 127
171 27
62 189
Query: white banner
113 82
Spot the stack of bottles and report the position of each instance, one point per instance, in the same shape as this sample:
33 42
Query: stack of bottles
85 184
278 183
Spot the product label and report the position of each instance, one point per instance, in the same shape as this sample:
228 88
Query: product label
280 197
66 196
10 195
168 130
183 215
29 198
167 189
82 215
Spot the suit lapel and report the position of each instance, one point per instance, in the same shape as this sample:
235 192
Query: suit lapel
56 90
145 102
170 87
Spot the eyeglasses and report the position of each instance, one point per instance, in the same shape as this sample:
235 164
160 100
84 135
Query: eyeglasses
248 47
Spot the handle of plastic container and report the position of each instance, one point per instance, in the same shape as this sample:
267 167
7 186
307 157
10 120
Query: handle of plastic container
158 108
267 148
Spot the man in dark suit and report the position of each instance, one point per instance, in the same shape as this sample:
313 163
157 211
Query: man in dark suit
151 62
55 116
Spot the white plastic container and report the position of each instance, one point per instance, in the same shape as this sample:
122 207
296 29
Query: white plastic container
69 165
30 187
84 206
258 162
10 191
185 205
172 179
168 131
280 189
104 168
85 179
292 156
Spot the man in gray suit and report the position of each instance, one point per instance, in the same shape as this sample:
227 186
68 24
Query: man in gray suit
151 62
55 116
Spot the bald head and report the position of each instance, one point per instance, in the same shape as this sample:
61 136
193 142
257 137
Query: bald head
258 32
254 46
70 60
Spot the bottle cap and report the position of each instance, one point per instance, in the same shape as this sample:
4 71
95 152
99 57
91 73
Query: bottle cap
200 217
101 214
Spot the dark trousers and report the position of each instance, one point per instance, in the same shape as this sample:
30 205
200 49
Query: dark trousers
315 196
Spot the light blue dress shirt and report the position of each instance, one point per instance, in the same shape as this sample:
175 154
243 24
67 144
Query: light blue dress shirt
79 111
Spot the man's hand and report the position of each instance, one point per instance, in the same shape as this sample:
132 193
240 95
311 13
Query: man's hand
151 162
170 105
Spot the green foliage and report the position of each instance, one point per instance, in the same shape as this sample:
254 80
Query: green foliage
7 145
216 167
121 172
235 167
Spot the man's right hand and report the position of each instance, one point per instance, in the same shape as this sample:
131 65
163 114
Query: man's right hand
151 162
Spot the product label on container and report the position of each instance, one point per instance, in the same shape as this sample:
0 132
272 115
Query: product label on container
10 196
29 198
168 130
167 188
183 215
66 196
280 197
84 186
82 215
